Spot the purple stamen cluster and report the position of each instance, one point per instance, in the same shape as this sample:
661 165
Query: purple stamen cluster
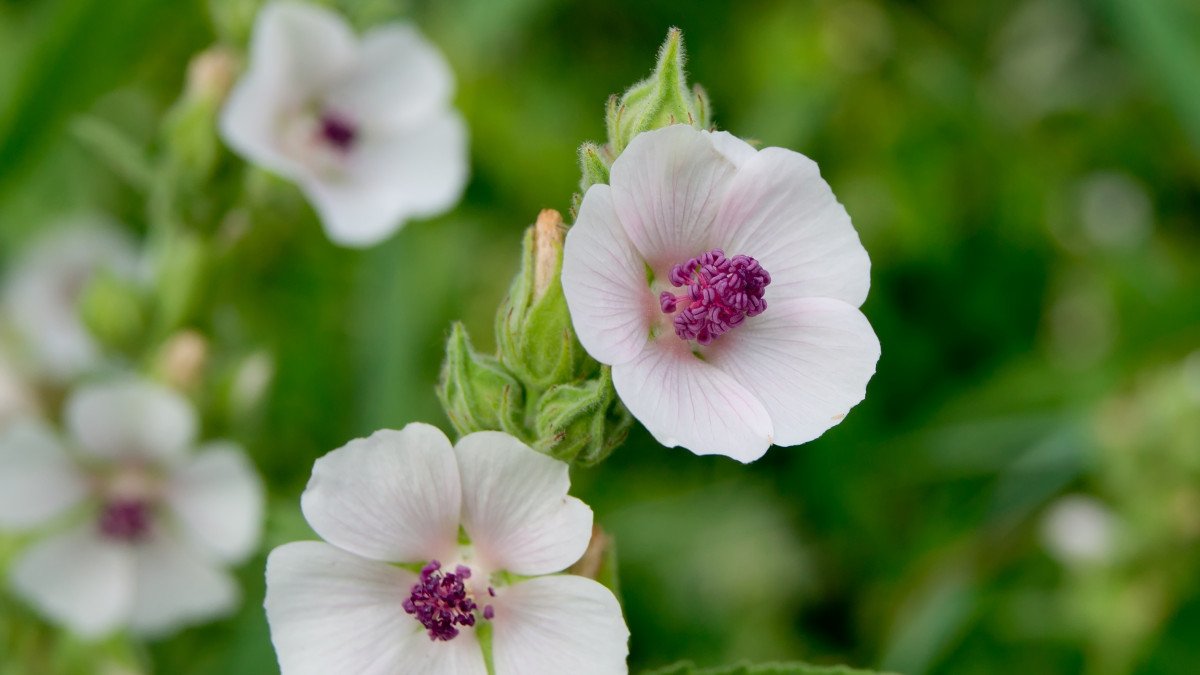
125 520
440 601
721 293
338 131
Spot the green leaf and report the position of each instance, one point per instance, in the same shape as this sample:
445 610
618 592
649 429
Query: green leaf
789 668
121 153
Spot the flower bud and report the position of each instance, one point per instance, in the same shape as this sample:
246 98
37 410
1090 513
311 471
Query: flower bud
599 561
182 359
476 391
533 327
581 423
113 309
182 267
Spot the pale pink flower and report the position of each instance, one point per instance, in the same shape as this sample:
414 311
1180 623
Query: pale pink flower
429 543
722 284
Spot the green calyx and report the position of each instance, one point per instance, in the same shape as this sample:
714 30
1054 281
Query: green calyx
476 391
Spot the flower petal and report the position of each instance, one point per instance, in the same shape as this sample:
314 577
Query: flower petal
780 211
297 50
807 360
667 187
131 419
418 172
394 496
735 149
37 479
604 280
515 506
177 586
78 579
559 624
218 497
334 612
684 401
399 80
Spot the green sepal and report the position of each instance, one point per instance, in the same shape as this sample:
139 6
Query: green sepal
477 392
592 166
791 668
661 100
534 335
114 310
581 423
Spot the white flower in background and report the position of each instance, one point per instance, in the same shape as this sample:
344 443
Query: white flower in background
149 525
16 401
1078 529
43 289
722 285
364 126
398 590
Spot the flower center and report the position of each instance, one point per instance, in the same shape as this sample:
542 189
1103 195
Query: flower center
125 520
337 131
719 294
441 601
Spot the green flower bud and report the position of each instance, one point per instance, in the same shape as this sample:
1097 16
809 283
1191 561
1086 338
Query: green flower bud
113 308
660 100
533 327
183 261
581 423
190 128
593 165
476 391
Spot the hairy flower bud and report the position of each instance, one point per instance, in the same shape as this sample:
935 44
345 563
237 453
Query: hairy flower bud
476 391
581 423
113 309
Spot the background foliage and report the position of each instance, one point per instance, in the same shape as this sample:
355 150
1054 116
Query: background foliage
1025 175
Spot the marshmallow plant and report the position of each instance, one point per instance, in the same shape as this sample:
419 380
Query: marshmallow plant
441 559
141 527
363 125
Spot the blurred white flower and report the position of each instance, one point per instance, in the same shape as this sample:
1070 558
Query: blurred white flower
161 522
391 505
1079 529
43 290
16 401
722 285
364 126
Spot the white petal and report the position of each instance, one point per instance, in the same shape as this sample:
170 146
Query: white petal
682 400
78 579
218 497
176 586
394 496
780 211
807 360
131 418
37 479
399 80
298 49
667 187
604 280
416 173
515 506
333 612
735 149
559 624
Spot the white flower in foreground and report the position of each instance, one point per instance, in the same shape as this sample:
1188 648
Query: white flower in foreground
398 589
43 290
364 126
722 285
149 525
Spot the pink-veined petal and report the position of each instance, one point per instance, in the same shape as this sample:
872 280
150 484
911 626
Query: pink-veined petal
667 187
684 401
735 149
807 360
218 497
604 281
394 496
333 612
38 481
559 624
780 211
78 579
516 508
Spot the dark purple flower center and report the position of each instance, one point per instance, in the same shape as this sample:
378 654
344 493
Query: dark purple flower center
719 294
441 601
338 131
126 520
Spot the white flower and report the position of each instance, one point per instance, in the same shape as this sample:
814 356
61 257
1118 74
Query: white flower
16 401
149 525
364 126
721 284
42 293
400 497
1078 529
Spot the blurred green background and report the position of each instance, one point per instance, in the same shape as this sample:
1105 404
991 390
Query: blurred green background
1025 176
